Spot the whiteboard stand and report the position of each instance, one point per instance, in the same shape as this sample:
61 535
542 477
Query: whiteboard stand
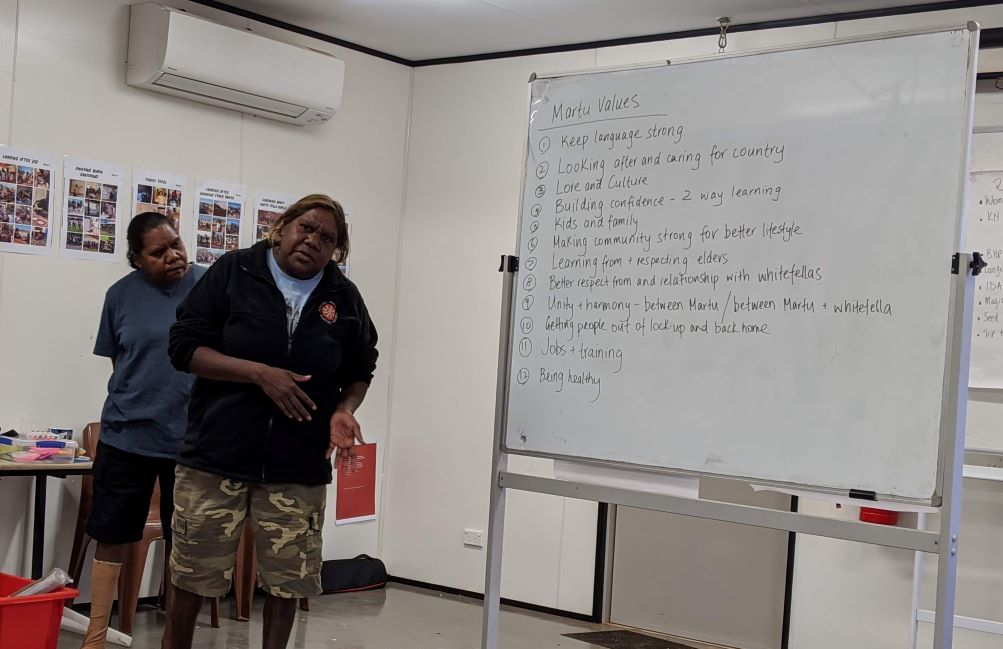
993 627
499 465
943 542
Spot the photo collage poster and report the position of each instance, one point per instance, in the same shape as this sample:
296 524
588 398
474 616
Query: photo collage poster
345 264
94 192
25 201
159 191
219 207
268 206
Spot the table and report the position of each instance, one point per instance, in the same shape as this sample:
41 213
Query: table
41 471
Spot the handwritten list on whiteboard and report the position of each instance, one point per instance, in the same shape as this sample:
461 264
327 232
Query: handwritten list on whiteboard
744 288
985 235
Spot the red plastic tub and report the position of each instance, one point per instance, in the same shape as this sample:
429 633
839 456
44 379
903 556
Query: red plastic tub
30 622
880 516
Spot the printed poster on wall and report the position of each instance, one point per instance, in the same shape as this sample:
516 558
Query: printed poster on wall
985 235
26 207
218 210
345 265
268 206
94 194
158 191
356 491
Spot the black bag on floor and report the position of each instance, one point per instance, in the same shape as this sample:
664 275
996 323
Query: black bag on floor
348 575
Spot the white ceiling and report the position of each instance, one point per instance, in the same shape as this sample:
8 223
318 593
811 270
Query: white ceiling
429 29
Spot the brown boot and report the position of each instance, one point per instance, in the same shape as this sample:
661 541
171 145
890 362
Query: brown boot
104 581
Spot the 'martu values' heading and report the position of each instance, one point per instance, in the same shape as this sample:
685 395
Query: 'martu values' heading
604 104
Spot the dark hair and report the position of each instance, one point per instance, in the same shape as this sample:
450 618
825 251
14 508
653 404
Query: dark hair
304 205
138 227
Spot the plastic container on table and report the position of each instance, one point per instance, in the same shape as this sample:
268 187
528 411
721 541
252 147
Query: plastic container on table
66 450
30 622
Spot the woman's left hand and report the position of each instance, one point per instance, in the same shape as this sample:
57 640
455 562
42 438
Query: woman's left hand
345 431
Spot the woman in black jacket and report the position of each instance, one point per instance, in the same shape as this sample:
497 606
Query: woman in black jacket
284 351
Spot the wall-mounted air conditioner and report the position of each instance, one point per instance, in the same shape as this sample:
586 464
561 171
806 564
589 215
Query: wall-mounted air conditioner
179 54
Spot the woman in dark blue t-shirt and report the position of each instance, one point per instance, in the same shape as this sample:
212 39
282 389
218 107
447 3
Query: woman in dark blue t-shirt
145 414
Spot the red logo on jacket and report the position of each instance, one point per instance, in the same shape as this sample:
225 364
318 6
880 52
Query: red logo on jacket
329 312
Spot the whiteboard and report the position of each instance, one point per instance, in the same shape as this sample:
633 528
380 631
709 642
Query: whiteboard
985 234
741 266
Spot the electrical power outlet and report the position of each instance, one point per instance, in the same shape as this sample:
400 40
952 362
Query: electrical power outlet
473 538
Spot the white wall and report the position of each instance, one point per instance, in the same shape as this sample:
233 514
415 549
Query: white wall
433 400
69 97
468 132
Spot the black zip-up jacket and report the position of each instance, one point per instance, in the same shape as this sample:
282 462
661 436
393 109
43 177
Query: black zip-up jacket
234 429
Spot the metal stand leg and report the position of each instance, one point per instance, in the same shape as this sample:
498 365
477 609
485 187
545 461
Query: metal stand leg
792 540
954 454
499 464
917 585
38 528
492 578
947 571
607 574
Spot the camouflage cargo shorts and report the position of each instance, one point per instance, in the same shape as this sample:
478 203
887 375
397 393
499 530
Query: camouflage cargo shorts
209 514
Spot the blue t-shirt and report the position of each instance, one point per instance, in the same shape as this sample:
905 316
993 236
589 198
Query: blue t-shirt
146 411
296 291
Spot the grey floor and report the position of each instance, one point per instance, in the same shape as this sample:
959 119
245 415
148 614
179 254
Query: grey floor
398 617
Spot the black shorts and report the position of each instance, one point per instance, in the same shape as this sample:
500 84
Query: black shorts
123 488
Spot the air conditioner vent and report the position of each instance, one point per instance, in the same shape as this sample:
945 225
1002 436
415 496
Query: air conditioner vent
205 90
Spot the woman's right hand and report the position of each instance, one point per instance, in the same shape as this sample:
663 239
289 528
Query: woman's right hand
282 387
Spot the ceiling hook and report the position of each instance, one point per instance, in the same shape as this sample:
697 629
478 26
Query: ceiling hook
723 23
